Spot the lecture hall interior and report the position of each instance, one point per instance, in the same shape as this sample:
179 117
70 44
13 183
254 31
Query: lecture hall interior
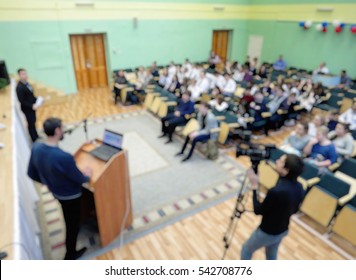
178 129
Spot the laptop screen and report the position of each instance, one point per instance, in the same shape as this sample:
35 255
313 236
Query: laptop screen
113 139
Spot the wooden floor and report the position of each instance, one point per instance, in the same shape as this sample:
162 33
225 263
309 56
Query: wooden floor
6 182
199 236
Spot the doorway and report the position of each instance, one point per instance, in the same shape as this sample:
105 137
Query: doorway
220 44
88 53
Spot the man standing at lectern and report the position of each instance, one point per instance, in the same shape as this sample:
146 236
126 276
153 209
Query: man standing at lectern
51 166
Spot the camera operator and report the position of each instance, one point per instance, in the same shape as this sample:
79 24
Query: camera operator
280 204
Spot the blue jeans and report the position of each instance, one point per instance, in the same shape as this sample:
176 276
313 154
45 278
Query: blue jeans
200 138
261 239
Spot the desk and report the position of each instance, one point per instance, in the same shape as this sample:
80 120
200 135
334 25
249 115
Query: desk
328 81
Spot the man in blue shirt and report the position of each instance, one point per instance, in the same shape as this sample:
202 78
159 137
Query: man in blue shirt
280 64
178 118
51 166
321 150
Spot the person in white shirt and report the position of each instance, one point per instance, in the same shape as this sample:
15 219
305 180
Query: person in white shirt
203 83
213 59
193 88
229 86
163 77
322 69
180 74
219 104
238 74
317 122
187 66
349 117
195 73
172 69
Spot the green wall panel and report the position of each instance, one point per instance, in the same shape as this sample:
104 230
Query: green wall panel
27 42
283 2
306 48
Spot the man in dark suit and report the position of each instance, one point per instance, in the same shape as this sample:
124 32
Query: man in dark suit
172 120
28 102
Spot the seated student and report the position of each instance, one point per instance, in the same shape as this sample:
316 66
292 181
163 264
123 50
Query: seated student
238 73
180 74
214 59
349 116
120 83
318 121
261 72
246 99
228 68
280 64
345 80
257 107
307 100
273 105
195 73
266 88
187 67
297 140
144 79
332 121
235 66
218 104
229 87
207 121
172 69
322 69
318 92
175 84
288 105
321 150
163 77
247 74
254 66
203 83
172 120
194 89
344 143
154 69
253 109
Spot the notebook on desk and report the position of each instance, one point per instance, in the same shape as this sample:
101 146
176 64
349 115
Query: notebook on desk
112 144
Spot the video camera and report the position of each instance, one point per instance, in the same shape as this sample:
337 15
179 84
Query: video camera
256 152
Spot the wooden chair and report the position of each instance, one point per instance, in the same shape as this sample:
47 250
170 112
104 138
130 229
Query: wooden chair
163 109
322 201
155 105
345 224
149 99
123 94
191 126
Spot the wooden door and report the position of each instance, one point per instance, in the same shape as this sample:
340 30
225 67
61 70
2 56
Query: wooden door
88 52
221 43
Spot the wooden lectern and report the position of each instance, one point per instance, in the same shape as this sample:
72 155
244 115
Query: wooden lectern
110 186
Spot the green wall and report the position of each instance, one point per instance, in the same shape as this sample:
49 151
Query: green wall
283 2
306 49
44 48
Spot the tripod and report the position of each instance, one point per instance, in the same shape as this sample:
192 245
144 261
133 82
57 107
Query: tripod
238 211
